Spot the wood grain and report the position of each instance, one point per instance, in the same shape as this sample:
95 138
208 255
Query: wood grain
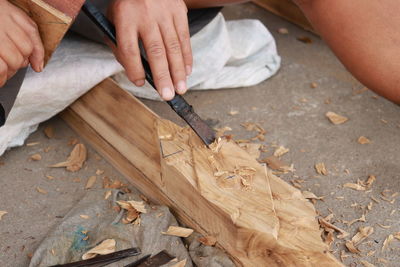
256 217
53 17
288 10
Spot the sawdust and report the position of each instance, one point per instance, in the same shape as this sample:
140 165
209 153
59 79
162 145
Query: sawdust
104 248
75 160
178 231
336 118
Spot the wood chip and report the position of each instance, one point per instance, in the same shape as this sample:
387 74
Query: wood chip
305 39
336 118
91 181
387 242
36 157
280 151
178 231
321 169
233 112
361 219
310 195
314 85
384 226
397 235
75 160
99 172
363 140
208 240
49 132
366 263
180 264
138 205
50 177
2 213
104 248
41 190
83 216
326 224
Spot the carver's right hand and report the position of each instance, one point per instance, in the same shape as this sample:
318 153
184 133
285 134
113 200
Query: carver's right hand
20 43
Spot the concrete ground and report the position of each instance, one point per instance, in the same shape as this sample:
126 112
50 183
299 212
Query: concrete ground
290 110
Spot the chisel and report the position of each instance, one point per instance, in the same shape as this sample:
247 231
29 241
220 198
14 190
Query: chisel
178 103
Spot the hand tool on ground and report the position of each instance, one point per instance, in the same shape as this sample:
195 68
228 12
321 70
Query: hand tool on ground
178 103
104 260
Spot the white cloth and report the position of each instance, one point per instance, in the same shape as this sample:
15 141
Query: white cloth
226 55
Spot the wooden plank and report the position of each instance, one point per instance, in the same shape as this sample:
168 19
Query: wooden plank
256 217
288 10
53 17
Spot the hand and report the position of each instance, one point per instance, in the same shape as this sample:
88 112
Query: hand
20 43
163 28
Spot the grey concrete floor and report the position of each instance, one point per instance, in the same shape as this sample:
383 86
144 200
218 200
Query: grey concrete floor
290 110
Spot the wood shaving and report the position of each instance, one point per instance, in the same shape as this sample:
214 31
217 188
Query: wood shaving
387 242
138 205
321 169
366 263
104 248
363 140
336 118
397 235
33 144
36 157
2 213
49 132
384 226
178 231
280 151
310 195
275 164
41 190
91 181
305 39
180 264
362 234
369 207
233 112
357 187
370 253
50 177
361 219
83 216
283 31
343 255
325 224
75 160
208 240
99 172
107 195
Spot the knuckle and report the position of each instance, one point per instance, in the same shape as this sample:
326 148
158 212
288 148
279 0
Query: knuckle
174 46
162 75
129 49
155 49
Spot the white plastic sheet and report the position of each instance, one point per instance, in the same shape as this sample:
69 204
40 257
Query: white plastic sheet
226 55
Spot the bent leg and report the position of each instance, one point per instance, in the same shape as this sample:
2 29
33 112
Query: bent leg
365 35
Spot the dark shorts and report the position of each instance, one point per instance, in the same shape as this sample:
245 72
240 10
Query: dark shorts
198 18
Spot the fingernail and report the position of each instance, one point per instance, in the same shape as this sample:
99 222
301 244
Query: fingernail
167 93
181 87
188 70
139 83
42 67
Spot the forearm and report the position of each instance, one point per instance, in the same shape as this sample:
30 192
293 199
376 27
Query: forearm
365 36
211 3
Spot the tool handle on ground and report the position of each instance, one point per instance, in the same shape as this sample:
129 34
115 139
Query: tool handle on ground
178 103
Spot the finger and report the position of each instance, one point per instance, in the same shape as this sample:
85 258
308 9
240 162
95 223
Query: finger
3 72
174 55
182 28
21 41
11 54
156 54
31 29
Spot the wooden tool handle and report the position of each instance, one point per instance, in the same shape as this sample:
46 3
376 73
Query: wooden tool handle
53 17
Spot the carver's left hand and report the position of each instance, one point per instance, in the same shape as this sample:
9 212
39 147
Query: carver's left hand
163 27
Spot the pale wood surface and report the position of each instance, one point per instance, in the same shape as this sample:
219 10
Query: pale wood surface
288 10
53 17
255 216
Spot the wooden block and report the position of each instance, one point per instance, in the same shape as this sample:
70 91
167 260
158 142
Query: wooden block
224 192
53 17
288 10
